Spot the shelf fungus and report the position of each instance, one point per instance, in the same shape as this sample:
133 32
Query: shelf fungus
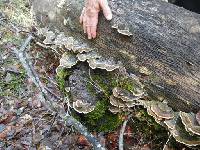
101 63
121 27
126 95
88 56
116 110
160 111
82 107
80 47
171 123
122 100
80 90
182 136
68 60
50 36
190 122
62 40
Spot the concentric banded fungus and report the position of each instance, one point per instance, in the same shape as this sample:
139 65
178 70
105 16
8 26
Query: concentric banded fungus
116 110
182 136
171 123
158 110
80 47
68 60
125 32
81 107
86 56
156 118
50 36
60 40
190 122
109 65
125 95
117 102
151 113
162 110
122 28
123 100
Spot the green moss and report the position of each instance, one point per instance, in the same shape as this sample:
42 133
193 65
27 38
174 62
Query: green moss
146 126
100 120
14 85
61 77
98 112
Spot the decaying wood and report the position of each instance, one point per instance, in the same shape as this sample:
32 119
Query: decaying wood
158 36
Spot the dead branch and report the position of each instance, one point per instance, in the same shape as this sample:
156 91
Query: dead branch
121 136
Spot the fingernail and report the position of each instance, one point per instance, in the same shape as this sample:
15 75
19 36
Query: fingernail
109 17
89 37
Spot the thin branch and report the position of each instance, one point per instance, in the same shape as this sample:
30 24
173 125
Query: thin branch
121 136
165 146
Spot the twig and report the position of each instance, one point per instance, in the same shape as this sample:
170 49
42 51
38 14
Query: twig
83 130
165 146
53 106
121 136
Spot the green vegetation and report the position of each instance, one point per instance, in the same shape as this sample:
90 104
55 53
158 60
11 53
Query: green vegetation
151 131
12 86
100 120
61 77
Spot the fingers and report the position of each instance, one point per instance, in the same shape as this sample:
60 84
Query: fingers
93 31
89 33
89 24
81 17
89 16
84 24
106 9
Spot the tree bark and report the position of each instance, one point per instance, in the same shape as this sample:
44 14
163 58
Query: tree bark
163 38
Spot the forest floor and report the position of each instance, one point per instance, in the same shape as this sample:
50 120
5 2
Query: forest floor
25 123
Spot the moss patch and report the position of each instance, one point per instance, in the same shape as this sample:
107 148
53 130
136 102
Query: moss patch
145 126
100 120
61 77
13 86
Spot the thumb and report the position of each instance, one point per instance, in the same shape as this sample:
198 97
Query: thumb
106 9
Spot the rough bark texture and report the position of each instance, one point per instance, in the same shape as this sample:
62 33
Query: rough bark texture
164 38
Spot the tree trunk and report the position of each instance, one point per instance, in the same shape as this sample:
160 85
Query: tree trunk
150 34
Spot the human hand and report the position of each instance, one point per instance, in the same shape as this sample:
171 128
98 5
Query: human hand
89 16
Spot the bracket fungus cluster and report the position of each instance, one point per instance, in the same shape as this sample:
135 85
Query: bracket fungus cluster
184 127
122 100
160 111
190 122
76 51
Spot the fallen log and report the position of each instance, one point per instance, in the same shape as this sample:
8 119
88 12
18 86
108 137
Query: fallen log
158 41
